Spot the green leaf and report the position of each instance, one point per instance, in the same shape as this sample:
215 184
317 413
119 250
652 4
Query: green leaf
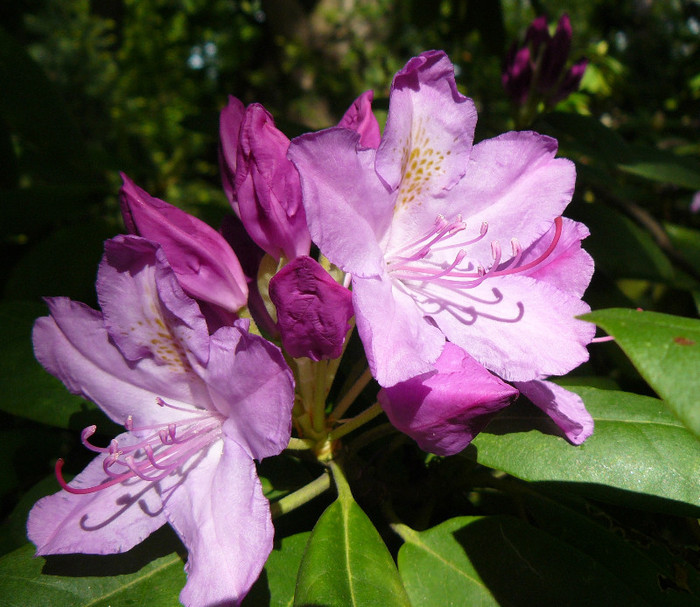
346 563
662 166
501 560
29 391
639 454
275 586
142 576
665 350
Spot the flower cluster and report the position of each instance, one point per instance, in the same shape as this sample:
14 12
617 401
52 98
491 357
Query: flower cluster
452 260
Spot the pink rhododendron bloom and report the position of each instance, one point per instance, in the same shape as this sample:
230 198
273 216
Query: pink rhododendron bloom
198 410
445 240
445 409
260 182
202 260
313 310
359 117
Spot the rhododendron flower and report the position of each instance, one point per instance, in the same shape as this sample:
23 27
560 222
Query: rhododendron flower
313 310
198 409
445 409
203 261
445 240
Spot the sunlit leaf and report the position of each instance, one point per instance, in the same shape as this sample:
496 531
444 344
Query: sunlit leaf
665 350
640 454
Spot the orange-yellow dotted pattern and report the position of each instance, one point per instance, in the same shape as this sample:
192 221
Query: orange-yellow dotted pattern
420 163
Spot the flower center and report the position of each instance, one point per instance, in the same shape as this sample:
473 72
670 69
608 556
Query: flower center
159 449
417 261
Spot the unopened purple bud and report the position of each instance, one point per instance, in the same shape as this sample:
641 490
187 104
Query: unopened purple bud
554 56
205 265
360 118
260 182
571 81
444 410
538 34
313 310
517 75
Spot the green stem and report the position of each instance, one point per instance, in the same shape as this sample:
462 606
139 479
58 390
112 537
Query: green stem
300 444
350 396
300 496
341 483
356 422
318 416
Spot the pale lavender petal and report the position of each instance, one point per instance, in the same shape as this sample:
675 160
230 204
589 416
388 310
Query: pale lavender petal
348 209
360 118
568 267
564 407
252 386
429 130
224 521
110 520
268 189
145 310
399 342
444 411
517 327
203 261
695 203
73 345
313 310
515 185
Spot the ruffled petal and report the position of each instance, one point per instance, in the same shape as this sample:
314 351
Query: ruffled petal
517 327
347 207
360 118
73 345
514 184
444 410
564 407
252 386
399 342
224 521
107 521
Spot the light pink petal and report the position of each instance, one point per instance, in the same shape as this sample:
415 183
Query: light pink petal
360 118
313 310
73 345
445 410
347 207
568 267
104 522
519 328
203 261
515 185
428 120
564 407
224 521
399 342
252 386
145 309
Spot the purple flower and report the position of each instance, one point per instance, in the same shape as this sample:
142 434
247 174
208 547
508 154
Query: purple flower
198 409
446 240
202 260
360 118
260 182
313 310
445 409
536 71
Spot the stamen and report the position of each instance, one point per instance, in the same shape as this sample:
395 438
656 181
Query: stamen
558 223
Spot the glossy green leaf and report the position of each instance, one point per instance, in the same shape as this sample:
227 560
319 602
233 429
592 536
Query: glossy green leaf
142 576
29 391
662 166
665 350
501 560
639 453
275 587
346 563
